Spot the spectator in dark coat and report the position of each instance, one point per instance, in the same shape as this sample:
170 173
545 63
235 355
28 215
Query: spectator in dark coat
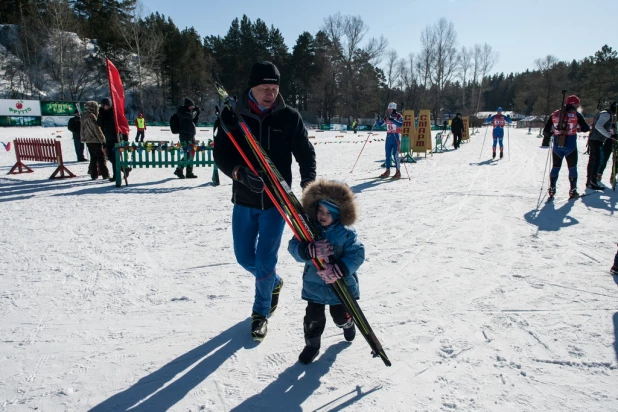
457 127
188 115
107 123
74 127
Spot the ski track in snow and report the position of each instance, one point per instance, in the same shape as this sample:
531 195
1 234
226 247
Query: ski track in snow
131 298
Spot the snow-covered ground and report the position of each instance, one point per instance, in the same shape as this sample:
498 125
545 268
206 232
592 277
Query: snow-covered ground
115 299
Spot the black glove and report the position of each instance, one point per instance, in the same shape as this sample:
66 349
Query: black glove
245 176
229 119
305 182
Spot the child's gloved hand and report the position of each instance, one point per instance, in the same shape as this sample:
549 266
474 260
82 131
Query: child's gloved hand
320 249
331 273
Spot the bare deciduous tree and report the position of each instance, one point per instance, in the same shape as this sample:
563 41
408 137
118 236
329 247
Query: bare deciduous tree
465 63
146 45
545 66
445 56
487 60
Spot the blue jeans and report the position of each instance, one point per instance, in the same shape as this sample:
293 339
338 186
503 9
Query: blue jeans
391 146
257 237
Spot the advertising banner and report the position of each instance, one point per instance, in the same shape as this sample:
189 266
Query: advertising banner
10 107
11 121
58 108
422 143
407 130
55 121
466 131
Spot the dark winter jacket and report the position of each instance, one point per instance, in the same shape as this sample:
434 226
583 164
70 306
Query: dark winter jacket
106 121
74 127
281 133
457 125
349 252
187 119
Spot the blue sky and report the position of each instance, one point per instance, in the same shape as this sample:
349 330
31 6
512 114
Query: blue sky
520 31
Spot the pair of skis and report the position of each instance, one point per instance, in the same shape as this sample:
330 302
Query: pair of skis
291 210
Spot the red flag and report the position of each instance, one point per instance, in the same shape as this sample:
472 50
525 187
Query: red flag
117 91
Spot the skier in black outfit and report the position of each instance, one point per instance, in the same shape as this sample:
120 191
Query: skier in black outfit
188 115
257 226
107 123
457 129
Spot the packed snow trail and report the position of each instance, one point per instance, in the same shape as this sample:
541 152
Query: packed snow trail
131 298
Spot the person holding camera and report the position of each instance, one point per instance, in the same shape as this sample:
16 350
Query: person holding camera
188 115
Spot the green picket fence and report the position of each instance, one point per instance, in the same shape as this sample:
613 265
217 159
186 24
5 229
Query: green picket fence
163 154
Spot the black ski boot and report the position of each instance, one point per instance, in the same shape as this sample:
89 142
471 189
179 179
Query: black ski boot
274 300
493 155
259 326
313 336
308 354
189 174
501 154
594 185
179 173
573 192
349 332
551 192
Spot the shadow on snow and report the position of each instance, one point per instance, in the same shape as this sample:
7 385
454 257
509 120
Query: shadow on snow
159 391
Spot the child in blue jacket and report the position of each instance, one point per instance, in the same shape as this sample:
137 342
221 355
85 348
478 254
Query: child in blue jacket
332 206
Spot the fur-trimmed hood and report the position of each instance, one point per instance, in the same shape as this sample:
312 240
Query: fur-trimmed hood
339 193
92 107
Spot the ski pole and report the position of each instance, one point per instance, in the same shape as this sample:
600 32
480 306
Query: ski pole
481 154
404 166
368 136
508 141
549 150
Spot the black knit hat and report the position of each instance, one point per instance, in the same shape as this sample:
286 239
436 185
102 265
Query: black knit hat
612 107
188 102
264 73
106 101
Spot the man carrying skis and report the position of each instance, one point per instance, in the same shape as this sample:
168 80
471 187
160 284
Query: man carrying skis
498 122
257 226
393 121
565 143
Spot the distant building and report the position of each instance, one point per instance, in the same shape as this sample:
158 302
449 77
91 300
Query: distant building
513 115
